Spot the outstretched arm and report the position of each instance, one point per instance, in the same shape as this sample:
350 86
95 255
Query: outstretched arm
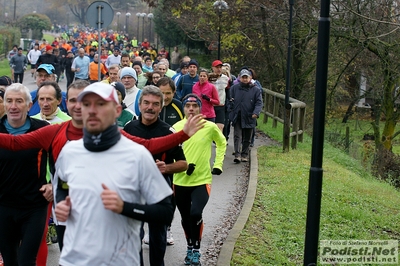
161 144
40 139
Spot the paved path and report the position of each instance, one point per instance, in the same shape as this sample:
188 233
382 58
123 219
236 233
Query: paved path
224 189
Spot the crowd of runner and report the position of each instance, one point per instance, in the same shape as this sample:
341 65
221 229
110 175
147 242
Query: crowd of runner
118 91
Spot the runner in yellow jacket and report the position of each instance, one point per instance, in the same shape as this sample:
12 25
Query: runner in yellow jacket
192 188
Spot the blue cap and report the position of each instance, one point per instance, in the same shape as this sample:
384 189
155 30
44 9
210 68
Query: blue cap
47 67
128 71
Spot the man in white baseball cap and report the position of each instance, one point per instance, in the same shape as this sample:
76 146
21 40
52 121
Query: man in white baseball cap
107 185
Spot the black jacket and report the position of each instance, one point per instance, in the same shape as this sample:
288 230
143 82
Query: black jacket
157 129
172 113
47 59
22 173
245 100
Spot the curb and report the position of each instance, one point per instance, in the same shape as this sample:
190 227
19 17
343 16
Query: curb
226 252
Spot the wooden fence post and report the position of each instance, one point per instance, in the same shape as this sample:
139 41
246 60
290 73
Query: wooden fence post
295 127
275 111
266 105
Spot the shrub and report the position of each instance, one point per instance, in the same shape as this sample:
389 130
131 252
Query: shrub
386 166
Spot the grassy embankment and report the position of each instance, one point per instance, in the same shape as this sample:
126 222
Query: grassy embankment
355 206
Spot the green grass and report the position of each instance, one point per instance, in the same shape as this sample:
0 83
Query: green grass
354 204
5 68
49 37
335 131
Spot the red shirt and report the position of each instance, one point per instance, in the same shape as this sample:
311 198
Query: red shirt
146 45
57 135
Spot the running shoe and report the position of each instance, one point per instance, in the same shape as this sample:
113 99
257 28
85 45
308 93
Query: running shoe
188 258
245 159
146 239
170 239
237 159
196 258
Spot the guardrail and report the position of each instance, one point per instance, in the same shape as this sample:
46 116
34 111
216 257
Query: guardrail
292 117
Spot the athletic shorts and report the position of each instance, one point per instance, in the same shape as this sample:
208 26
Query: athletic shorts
219 114
33 66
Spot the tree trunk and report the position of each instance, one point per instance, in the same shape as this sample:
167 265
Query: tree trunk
349 111
388 109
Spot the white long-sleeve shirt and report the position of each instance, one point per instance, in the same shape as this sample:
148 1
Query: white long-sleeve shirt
33 56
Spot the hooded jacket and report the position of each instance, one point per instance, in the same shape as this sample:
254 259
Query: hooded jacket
245 101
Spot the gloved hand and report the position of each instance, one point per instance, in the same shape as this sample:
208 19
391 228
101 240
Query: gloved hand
190 169
216 171
24 67
205 97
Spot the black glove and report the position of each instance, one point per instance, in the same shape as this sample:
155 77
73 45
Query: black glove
190 169
216 171
205 97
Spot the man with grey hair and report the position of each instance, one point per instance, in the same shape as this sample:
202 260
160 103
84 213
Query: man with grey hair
170 73
149 125
24 192
162 67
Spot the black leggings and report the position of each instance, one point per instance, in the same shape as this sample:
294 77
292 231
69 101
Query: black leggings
60 229
19 77
21 231
191 202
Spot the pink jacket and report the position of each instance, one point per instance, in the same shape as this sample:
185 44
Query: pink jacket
207 107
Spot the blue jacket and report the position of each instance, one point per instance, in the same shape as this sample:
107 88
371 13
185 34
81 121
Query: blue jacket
35 109
185 85
245 101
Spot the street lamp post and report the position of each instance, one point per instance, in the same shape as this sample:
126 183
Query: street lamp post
127 15
220 6
143 15
138 23
118 14
15 10
150 16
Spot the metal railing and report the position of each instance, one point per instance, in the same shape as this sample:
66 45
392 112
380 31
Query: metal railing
292 117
